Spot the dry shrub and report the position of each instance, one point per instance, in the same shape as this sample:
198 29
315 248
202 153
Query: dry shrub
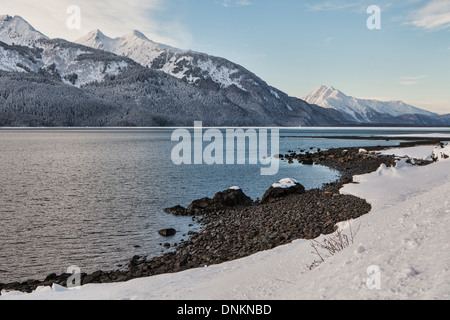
331 245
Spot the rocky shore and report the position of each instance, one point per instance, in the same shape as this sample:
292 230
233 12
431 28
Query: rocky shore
234 226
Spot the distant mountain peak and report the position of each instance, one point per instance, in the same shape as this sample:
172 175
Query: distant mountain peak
360 110
324 88
137 34
98 33
95 35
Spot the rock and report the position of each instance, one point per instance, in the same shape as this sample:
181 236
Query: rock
232 198
228 199
51 277
177 211
278 156
282 189
167 232
200 205
308 162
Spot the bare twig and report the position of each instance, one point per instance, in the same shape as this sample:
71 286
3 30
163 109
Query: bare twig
331 245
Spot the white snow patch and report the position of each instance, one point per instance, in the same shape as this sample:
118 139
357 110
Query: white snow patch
220 74
274 93
285 183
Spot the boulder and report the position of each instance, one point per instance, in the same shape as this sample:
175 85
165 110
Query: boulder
167 232
232 198
282 189
177 211
200 205
228 199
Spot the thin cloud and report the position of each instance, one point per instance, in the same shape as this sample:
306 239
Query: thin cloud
435 15
236 3
411 81
333 5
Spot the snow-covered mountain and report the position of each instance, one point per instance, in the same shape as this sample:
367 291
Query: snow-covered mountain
134 45
24 49
15 30
362 110
193 67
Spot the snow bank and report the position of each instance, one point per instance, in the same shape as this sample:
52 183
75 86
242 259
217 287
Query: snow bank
403 243
437 135
419 152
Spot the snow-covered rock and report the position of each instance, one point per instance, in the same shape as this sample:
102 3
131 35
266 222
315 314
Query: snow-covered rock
441 153
283 188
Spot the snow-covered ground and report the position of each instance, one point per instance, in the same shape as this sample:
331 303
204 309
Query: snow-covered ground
438 135
401 251
419 152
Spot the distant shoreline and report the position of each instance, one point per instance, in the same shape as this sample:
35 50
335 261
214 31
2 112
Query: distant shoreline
381 127
415 140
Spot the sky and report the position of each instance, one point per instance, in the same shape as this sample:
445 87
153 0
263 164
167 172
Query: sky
293 45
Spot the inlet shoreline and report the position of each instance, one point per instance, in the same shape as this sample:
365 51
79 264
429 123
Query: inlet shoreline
231 234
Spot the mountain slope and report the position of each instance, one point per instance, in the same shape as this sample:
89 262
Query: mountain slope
362 110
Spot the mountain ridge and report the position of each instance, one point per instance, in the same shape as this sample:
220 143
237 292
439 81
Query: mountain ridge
362 110
191 66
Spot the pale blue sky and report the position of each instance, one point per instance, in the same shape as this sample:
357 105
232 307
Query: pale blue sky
292 45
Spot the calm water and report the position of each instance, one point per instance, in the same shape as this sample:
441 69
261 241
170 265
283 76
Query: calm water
88 197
